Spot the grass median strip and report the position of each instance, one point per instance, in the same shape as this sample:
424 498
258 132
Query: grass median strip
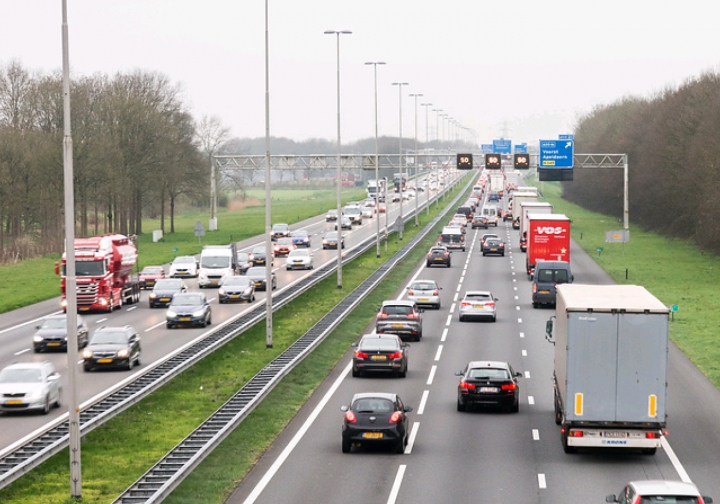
115 455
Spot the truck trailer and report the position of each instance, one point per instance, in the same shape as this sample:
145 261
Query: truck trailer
527 207
610 377
548 239
518 198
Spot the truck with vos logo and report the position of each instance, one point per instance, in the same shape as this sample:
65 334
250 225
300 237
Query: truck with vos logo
548 239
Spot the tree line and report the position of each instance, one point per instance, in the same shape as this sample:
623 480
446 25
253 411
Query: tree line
671 141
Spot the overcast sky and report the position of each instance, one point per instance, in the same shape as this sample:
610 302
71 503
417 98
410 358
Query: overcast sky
532 66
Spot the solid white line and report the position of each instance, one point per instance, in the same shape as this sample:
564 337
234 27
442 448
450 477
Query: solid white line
536 435
431 376
22 351
154 326
439 352
452 308
100 321
296 439
134 307
449 319
531 400
444 334
527 374
675 461
541 481
423 400
413 435
396 484
524 353
522 334
30 322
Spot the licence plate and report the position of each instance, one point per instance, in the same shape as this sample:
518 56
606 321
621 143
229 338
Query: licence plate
488 390
332 244
372 435
258 284
83 308
398 325
235 297
544 292
213 282
14 401
184 319
493 250
478 306
424 300
53 343
378 357
615 434
164 300
104 361
438 258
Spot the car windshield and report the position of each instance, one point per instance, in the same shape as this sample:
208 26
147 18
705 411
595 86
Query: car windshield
88 268
332 212
168 283
488 374
235 281
55 323
373 405
187 300
109 337
423 286
243 257
184 260
256 271
397 309
331 236
285 241
299 234
477 297
493 242
299 253
215 262
352 211
151 271
280 227
259 250
20 375
379 344
668 499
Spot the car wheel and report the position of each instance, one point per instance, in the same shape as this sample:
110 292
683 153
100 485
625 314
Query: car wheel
535 305
558 413
400 446
356 373
448 264
209 320
483 254
46 406
515 408
403 373
461 318
494 318
437 306
130 363
56 404
460 406
86 368
463 249
427 264
287 269
36 350
346 445
137 360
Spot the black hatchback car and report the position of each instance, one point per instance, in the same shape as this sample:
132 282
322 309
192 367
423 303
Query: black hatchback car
380 352
112 347
438 255
479 221
189 308
493 246
164 291
489 383
257 275
52 334
375 418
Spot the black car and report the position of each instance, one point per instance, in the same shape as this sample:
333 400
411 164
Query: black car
330 241
112 347
493 196
479 221
438 255
244 261
375 418
189 308
489 383
52 334
380 352
236 288
259 256
279 231
257 275
493 246
345 223
164 291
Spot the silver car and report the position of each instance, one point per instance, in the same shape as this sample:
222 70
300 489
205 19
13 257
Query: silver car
478 304
29 386
424 292
299 259
400 317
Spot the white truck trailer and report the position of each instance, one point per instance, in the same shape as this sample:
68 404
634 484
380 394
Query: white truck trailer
518 198
610 378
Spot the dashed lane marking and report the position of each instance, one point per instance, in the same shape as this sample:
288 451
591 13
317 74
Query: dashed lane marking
411 440
423 401
439 352
444 334
431 376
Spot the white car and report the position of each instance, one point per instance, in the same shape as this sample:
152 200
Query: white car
299 259
184 266
424 293
478 304
367 212
29 386
659 491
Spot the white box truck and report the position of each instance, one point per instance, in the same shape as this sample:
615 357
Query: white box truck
527 208
518 198
610 378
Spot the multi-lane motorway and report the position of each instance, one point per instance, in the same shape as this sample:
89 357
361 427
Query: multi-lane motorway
482 456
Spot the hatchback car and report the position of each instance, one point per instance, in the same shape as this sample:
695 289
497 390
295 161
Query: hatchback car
368 212
29 386
244 261
283 246
485 237
400 317
257 275
236 288
489 383
382 207
478 304
259 256
299 259
479 221
331 215
112 347
164 291
189 308
424 293
330 241
438 255
52 334
300 238
659 491
375 418
149 275
184 266
345 223
279 231
380 352
354 213
493 246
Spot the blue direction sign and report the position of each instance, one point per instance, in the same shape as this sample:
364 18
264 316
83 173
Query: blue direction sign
556 153
566 137
520 148
502 146
486 148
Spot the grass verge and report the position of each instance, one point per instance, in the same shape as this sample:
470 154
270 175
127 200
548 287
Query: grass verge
675 271
118 453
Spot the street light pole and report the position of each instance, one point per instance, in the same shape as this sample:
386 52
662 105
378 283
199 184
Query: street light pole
268 197
339 170
437 125
400 85
377 161
415 159
427 169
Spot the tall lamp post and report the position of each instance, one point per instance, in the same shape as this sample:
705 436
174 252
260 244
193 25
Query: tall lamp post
437 125
415 159
268 197
377 161
337 33
400 85
427 169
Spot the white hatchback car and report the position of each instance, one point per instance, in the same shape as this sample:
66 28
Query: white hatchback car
424 293
478 304
29 386
299 259
668 492
184 266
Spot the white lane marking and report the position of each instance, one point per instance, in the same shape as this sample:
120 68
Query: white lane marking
154 326
81 361
514 280
439 352
462 278
527 374
100 321
531 400
519 321
524 353
423 400
675 461
517 308
431 376
59 312
459 287
455 298
417 274
22 351
515 288
522 334
449 319
512 267
444 334
513 274
413 435
131 308
541 481
452 308
536 435
396 484
516 298
296 439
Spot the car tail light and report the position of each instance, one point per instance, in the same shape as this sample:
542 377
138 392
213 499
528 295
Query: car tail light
534 288
382 315
491 304
395 417
447 254
411 293
350 417
429 254
465 303
413 315
395 355
436 293
361 355
508 386
467 386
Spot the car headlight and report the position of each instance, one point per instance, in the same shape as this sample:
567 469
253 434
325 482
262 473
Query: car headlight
198 313
221 292
248 291
170 314
87 354
123 353
33 394
37 338
152 295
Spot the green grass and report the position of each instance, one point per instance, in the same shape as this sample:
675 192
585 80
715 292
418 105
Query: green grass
34 280
675 271
118 453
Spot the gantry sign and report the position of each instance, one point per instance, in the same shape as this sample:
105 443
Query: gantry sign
348 162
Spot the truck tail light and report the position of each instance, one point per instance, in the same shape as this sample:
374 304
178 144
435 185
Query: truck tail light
575 433
652 435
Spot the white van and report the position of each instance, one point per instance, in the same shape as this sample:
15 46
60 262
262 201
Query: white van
216 262
492 213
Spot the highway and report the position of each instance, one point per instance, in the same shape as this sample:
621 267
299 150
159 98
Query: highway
480 456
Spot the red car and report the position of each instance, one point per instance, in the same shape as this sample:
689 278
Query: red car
382 208
149 275
283 246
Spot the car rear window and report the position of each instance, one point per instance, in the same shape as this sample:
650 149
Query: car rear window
552 276
452 238
478 297
398 310
379 344
373 405
489 374
422 286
